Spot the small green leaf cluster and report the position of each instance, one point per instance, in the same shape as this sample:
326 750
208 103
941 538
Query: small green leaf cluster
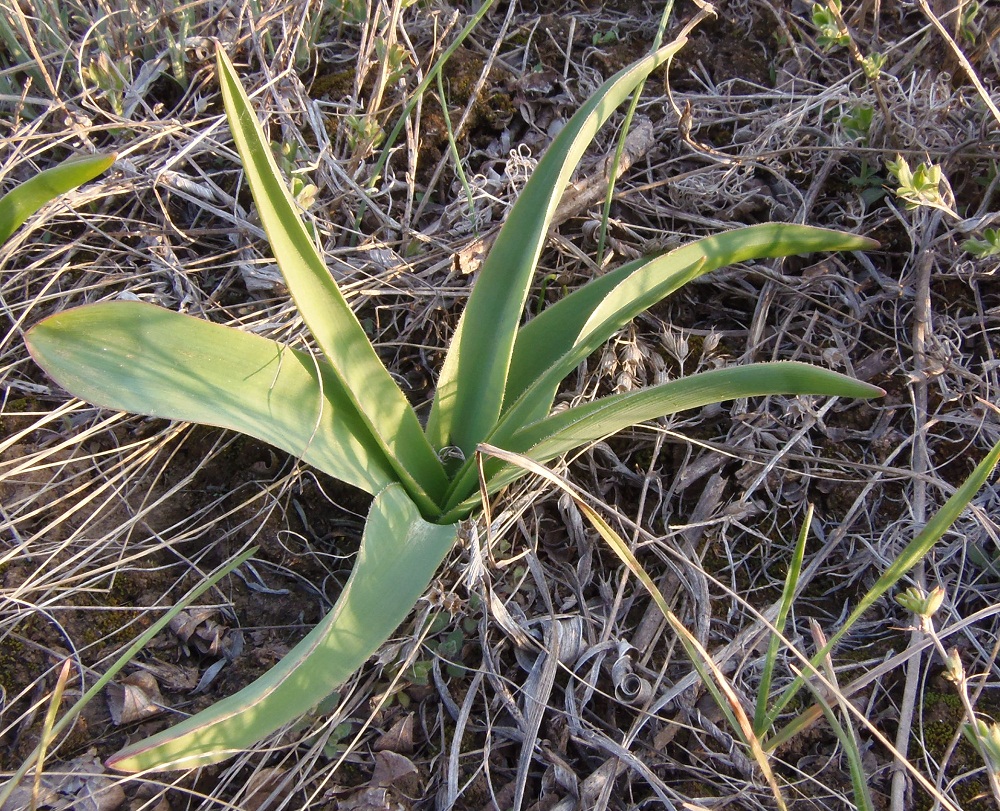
830 35
968 25
922 605
605 37
396 59
102 74
988 246
919 187
987 736
341 410
856 121
872 65
302 190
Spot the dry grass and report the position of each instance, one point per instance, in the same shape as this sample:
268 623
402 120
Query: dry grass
536 673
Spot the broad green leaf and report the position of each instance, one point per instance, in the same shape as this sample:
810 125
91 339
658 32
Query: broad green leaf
323 307
608 415
137 357
25 199
471 386
398 557
559 433
550 346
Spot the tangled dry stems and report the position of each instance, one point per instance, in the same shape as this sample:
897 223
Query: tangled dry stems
569 688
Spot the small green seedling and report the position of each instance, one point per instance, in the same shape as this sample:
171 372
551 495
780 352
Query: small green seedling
983 248
856 122
986 736
25 199
830 35
340 409
872 65
968 26
920 187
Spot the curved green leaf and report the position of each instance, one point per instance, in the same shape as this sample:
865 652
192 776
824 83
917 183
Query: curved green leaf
323 307
560 433
589 422
145 359
25 199
399 555
472 382
550 346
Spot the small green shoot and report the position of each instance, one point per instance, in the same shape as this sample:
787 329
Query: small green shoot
397 60
872 66
968 25
986 247
830 35
856 122
605 37
922 605
925 186
105 76
870 185
787 598
986 737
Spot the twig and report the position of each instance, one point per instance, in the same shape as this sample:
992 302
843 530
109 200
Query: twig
962 59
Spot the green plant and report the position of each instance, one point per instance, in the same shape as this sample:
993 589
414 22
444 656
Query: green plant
342 412
968 27
856 122
830 34
920 187
106 76
989 245
26 198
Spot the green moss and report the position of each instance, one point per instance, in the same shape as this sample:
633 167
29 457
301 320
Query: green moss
943 714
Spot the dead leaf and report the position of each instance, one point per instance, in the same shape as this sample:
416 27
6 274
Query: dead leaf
80 784
399 737
470 258
397 772
135 698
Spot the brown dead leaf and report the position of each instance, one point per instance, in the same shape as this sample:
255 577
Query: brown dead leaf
399 737
134 698
397 772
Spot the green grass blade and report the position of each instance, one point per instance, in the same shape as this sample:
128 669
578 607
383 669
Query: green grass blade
473 379
859 780
787 596
24 200
550 346
137 357
914 551
399 555
727 701
323 307
559 433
